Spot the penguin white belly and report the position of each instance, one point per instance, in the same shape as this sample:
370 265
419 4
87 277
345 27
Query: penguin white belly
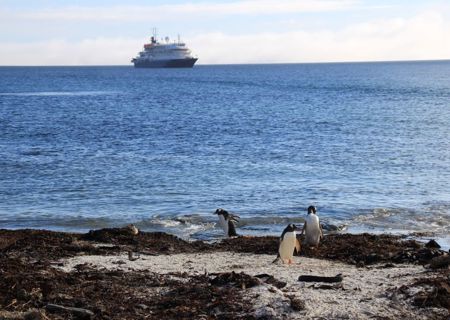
312 234
224 224
287 246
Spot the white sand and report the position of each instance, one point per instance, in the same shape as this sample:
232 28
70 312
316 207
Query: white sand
365 293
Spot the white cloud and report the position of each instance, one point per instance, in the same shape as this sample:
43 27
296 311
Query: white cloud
164 12
421 37
424 36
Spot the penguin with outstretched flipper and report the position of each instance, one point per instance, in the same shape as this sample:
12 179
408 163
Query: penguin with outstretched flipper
227 222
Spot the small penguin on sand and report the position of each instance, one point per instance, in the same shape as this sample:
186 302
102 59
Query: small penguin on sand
288 242
312 228
227 221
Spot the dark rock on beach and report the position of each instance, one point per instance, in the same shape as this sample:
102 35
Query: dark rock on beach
433 244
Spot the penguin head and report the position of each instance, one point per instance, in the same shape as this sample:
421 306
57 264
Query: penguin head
291 227
222 212
311 209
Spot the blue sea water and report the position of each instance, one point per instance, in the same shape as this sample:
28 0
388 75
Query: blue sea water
92 147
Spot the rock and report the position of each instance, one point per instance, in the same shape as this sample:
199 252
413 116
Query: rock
433 244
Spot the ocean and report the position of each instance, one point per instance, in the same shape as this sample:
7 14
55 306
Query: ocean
90 147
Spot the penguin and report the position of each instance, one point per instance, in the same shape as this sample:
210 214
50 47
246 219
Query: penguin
227 221
288 242
312 228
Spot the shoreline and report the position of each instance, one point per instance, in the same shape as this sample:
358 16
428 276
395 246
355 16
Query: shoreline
384 276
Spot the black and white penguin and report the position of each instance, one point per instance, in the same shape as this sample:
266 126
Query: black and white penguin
312 228
227 221
288 242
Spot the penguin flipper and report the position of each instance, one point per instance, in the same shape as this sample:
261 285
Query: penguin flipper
297 246
234 217
277 258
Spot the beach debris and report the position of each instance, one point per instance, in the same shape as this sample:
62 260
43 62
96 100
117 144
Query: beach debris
79 313
244 281
238 280
220 300
312 278
432 244
146 242
440 262
269 279
131 256
82 267
335 286
431 291
428 292
297 304
30 280
32 314
111 235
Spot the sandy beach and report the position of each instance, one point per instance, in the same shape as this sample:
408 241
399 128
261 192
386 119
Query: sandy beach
50 275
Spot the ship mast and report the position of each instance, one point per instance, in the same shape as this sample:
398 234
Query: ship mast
155 35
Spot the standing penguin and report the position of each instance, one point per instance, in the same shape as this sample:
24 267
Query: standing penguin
227 221
288 242
312 228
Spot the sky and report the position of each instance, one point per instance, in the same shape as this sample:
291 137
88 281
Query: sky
100 32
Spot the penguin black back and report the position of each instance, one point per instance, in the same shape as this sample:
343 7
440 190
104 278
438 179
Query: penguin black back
231 229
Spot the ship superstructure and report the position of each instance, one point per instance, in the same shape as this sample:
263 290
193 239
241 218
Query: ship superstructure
164 55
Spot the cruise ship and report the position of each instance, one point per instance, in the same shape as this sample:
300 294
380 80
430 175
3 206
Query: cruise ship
164 55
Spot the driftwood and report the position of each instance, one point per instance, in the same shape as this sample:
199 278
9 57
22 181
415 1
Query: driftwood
78 312
311 278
